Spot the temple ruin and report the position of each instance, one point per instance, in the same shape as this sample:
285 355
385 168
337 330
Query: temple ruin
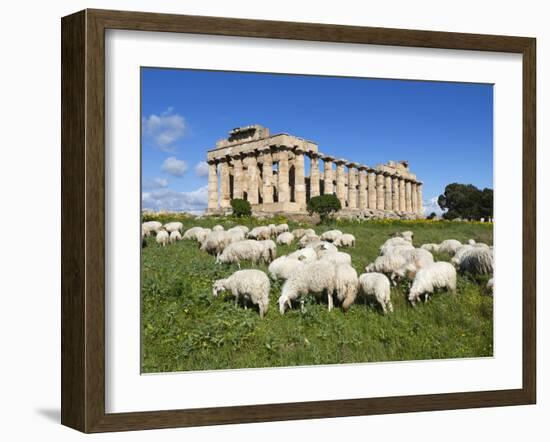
269 172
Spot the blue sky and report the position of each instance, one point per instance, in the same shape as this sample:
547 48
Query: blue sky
444 129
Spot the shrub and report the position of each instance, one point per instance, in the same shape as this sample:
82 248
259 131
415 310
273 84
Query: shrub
431 215
324 205
241 207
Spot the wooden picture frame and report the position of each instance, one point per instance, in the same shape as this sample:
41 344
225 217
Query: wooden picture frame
83 220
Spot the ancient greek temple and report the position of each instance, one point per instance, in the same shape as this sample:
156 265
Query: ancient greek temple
269 172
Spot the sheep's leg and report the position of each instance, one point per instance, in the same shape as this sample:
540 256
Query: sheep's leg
302 305
390 306
330 302
384 308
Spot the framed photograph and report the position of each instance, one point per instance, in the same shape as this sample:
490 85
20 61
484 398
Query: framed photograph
268 221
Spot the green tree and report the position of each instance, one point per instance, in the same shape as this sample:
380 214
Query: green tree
466 201
241 207
324 205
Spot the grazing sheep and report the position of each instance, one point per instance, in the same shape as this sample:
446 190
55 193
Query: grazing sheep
218 228
387 264
242 228
320 246
215 242
449 246
162 238
471 242
347 285
438 275
173 227
246 250
281 228
430 247
272 230
335 258
175 236
331 235
298 233
151 226
284 266
306 255
346 240
259 233
270 250
476 260
314 277
393 243
194 232
376 285
416 259
285 238
235 235
309 232
306 239
250 285
407 236
201 236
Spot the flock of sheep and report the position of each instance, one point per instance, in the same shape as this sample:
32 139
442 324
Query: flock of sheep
318 266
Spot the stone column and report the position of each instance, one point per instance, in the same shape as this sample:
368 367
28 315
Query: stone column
212 185
395 200
419 202
267 175
237 160
408 196
314 175
388 201
341 181
414 197
352 185
252 179
299 178
225 197
380 191
283 183
371 195
362 187
402 202
329 177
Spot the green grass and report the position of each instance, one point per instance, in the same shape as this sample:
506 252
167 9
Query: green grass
185 328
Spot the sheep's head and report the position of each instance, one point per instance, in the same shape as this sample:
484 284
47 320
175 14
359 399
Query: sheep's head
218 287
369 268
283 303
414 297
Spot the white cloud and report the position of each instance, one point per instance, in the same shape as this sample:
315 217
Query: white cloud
174 167
163 130
201 169
155 183
195 201
432 206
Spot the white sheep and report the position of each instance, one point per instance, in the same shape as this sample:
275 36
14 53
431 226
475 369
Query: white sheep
306 255
215 242
272 230
270 250
281 228
376 285
218 228
173 227
285 238
320 246
201 235
259 233
239 227
407 236
315 277
298 233
416 259
347 285
250 285
335 258
387 264
235 235
284 266
345 240
430 247
306 239
194 232
476 260
175 236
449 246
247 250
309 232
438 275
331 235
162 238
394 243
151 226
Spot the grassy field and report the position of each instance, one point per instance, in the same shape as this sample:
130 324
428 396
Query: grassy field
185 328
